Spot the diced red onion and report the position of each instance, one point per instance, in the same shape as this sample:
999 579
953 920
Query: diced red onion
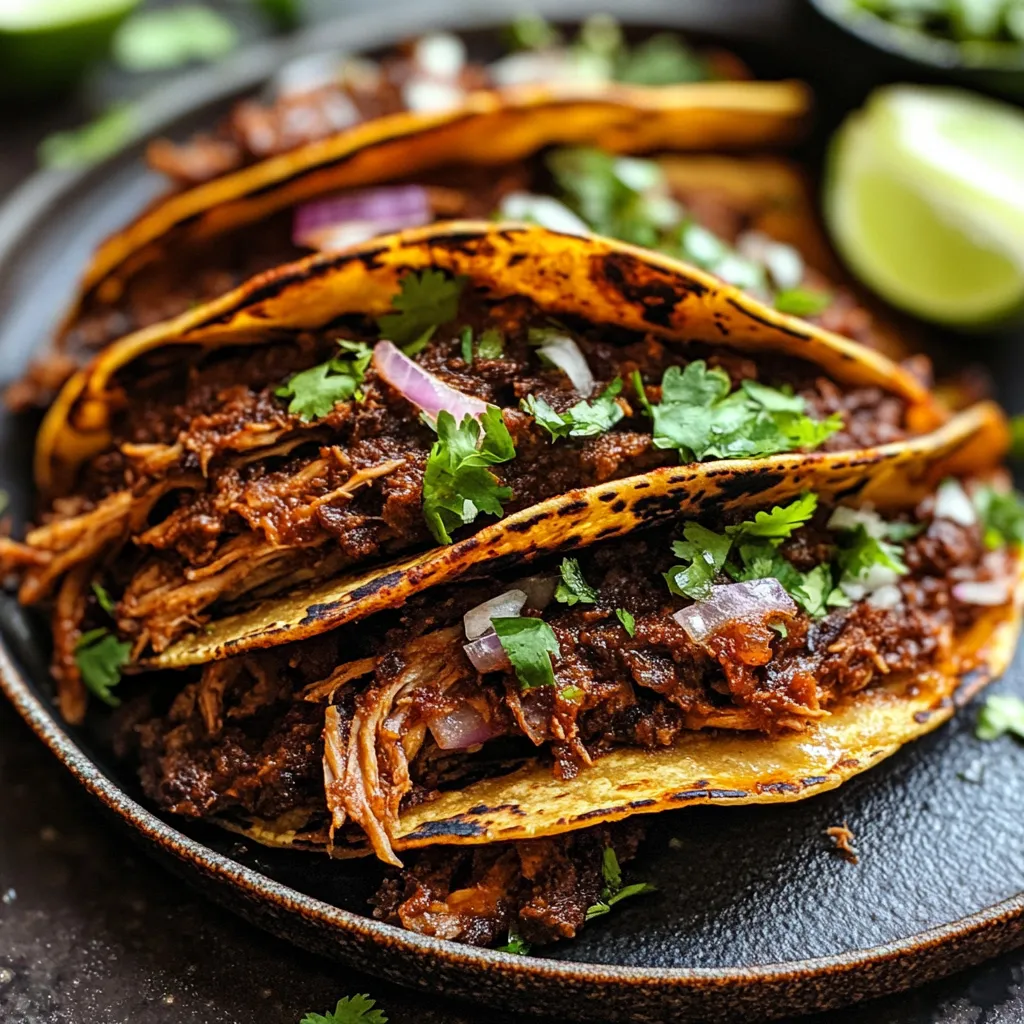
846 518
886 597
546 211
952 503
539 590
544 66
440 55
750 601
564 353
331 224
477 621
987 593
421 388
431 94
486 653
307 74
464 727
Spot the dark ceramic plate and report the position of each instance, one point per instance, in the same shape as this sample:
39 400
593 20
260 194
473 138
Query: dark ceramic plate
755 915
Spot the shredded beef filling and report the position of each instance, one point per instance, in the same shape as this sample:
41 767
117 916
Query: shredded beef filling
353 714
227 497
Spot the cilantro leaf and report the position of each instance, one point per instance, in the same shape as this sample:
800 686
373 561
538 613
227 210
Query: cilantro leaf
627 620
516 943
613 890
664 59
315 392
106 135
173 36
350 1010
780 522
528 644
427 299
457 486
106 602
862 552
802 301
1002 516
531 32
100 656
574 589
699 417
1001 714
490 344
414 348
584 419
706 551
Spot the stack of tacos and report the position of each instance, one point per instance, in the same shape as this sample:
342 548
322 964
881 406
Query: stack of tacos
470 545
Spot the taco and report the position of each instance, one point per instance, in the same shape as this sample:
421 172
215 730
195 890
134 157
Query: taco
757 652
260 442
281 194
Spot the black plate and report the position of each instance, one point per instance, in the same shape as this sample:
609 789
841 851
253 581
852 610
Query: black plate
756 916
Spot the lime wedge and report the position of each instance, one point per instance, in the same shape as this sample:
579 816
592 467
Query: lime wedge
925 201
46 44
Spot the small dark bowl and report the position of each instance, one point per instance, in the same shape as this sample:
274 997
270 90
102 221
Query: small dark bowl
992 66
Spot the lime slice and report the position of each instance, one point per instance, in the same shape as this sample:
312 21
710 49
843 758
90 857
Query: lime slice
925 201
46 44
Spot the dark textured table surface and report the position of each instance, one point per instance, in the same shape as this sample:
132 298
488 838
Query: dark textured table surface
92 933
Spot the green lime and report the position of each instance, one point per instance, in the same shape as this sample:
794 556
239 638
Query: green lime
925 201
45 45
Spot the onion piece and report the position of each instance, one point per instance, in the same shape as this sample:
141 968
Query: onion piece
546 211
330 224
431 94
564 353
477 621
421 388
440 55
846 518
487 654
548 66
952 503
886 597
464 727
987 593
539 590
750 601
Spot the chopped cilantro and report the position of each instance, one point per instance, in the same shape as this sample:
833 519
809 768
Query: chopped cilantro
663 59
706 551
572 693
1002 516
627 620
753 547
100 656
316 391
350 1010
781 628
529 644
106 602
699 417
531 32
171 37
457 486
861 552
802 301
1001 714
426 299
573 588
106 135
613 890
602 190
584 419
780 522
516 943
490 344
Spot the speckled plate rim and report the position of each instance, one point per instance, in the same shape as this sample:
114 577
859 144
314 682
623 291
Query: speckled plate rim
571 988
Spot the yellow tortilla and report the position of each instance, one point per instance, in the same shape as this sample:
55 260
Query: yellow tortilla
891 476
718 767
598 279
491 127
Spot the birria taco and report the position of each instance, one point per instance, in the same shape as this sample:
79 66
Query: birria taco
277 182
758 650
403 395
